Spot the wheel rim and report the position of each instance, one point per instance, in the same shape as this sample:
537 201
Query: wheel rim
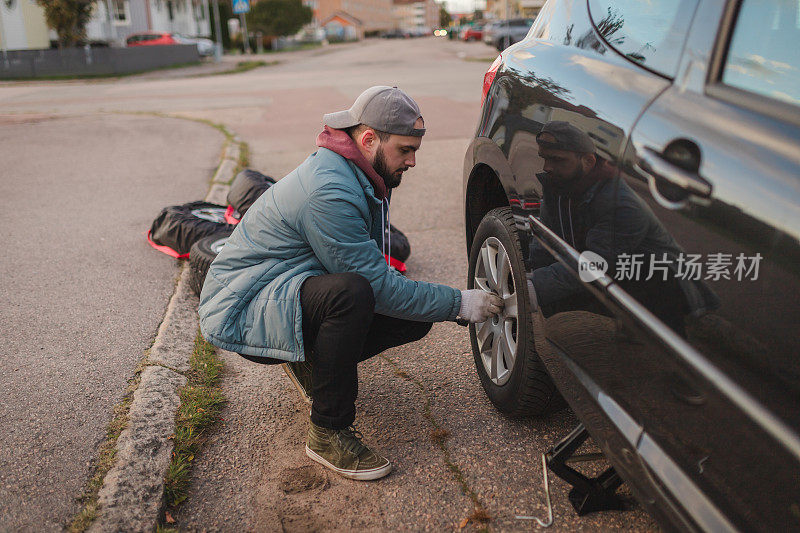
497 337
216 246
214 214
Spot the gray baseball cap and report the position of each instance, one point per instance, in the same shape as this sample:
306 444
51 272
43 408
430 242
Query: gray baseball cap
567 137
383 108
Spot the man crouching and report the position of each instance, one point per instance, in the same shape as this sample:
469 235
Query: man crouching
303 279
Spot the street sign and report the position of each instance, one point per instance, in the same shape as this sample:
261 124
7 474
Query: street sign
241 6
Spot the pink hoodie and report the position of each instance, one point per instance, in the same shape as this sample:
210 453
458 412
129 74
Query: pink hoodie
340 142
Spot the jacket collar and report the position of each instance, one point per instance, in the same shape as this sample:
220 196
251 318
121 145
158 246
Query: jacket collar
340 142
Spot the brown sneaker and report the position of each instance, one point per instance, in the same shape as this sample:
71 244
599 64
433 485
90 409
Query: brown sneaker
300 374
342 451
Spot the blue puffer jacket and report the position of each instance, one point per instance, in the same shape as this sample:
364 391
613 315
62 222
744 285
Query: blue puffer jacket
321 218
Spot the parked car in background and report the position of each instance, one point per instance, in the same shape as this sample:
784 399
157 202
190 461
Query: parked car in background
396 33
150 39
658 218
504 33
473 33
488 31
205 47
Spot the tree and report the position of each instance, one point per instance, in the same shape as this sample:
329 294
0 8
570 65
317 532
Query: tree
444 17
278 17
68 18
225 13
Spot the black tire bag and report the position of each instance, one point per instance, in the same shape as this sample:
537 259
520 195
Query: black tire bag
247 186
178 227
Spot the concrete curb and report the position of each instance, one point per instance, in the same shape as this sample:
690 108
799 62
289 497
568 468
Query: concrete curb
132 495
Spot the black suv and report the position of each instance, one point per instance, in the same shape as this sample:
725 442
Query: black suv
637 164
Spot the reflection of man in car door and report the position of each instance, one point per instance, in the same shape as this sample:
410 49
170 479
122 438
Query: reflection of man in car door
585 204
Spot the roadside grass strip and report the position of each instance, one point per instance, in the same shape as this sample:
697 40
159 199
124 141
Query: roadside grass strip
201 403
105 458
244 156
439 436
241 66
244 149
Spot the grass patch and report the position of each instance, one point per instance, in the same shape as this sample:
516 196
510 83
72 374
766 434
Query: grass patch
242 66
439 436
105 458
201 403
244 156
295 48
229 136
244 148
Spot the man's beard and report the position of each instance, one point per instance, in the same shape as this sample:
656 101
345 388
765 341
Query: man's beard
565 184
391 179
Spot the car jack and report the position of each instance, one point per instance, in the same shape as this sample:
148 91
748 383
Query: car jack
588 494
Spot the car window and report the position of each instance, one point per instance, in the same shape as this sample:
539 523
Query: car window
649 32
764 52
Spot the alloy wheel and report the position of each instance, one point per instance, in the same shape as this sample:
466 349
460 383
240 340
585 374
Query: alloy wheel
497 337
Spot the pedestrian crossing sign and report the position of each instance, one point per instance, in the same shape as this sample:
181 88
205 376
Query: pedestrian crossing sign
241 6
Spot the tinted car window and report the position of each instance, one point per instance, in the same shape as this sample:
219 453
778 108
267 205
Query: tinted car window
764 54
649 32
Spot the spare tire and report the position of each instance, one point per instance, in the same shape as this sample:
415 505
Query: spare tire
178 227
203 252
247 186
400 248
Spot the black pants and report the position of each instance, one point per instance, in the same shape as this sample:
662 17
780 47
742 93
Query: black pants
341 329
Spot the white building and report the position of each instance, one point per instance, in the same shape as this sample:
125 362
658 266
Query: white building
188 17
23 26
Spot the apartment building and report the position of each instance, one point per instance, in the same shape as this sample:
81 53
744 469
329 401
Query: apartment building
420 16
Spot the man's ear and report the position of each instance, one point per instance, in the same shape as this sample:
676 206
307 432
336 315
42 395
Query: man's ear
588 161
367 138
367 142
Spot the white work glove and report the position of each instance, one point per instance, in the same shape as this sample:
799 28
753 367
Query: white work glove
478 305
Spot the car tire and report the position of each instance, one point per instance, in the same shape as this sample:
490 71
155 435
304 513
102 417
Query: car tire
201 256
247 187
509 368
178 227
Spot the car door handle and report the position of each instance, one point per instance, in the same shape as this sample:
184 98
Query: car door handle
652 164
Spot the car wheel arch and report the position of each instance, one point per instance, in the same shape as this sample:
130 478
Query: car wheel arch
484 192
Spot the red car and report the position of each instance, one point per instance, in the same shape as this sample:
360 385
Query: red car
150 38
475 33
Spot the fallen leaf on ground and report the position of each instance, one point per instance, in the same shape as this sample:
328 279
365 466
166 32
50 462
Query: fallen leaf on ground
168 518
463 523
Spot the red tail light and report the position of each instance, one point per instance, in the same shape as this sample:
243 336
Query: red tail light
488 78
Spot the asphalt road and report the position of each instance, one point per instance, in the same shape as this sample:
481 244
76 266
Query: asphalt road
253 474
83 293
